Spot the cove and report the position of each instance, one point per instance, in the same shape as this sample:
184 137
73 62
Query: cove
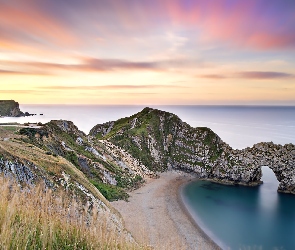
239 217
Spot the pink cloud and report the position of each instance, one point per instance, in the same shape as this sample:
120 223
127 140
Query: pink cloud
254 75
251 24
18 20
260 24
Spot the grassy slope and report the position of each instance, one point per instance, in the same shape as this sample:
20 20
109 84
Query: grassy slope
51 166
46 220
147 124
49 138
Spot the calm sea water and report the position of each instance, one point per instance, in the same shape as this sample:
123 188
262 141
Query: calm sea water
238 217
239 126
235 217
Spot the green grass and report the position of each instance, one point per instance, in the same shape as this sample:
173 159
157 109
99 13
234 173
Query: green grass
10 128
127 182
110 192
31 132
72 157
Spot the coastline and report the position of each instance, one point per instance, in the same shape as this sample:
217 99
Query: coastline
156 215
195 220
233 183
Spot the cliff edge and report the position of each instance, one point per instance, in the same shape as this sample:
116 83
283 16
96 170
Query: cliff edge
10 108
160 140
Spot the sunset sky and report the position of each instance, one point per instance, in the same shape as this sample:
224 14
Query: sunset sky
148 51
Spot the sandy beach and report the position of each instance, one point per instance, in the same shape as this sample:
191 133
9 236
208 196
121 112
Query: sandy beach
156 216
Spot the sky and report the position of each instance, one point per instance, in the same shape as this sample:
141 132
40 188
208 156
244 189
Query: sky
135 52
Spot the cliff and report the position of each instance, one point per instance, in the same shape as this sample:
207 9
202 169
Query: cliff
120 155
31 166
109 168
160 140
10 108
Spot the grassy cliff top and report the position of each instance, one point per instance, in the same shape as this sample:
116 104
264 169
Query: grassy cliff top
137 122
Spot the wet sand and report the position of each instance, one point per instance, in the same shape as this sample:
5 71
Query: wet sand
155 215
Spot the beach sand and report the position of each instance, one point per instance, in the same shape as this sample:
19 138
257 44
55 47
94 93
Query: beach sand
155 215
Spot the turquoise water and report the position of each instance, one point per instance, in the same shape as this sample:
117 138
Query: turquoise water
238 217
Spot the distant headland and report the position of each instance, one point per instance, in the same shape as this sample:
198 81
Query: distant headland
11 108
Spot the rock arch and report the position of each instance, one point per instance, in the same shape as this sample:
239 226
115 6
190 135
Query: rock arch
244 166
280 159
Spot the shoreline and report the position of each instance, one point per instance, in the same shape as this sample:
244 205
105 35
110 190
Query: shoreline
232 183
194 220
156 215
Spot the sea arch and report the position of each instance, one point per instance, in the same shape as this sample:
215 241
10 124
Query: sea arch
279 158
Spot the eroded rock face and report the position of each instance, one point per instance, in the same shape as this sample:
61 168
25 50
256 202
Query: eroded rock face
17 170
160 140
100 162
30 174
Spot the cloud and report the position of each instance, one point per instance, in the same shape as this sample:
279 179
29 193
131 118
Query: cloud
23 92
254 24
23 21
263 75
94 64
89 64
24 72
10 72
212 76
109 87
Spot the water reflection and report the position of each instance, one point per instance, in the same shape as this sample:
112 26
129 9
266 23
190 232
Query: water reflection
268 196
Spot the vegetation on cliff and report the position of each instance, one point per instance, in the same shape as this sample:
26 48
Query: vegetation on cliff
161 140
116 157
139 134
62 138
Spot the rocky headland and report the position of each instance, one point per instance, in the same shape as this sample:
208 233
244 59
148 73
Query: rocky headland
11 108
120 156
160 140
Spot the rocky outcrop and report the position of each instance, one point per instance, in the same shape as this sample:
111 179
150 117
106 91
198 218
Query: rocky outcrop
160 140
10 108
126 161
20 172
102 163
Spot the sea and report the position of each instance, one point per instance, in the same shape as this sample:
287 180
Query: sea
235 217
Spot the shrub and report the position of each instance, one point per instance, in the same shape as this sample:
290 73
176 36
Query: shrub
72 157
110 192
